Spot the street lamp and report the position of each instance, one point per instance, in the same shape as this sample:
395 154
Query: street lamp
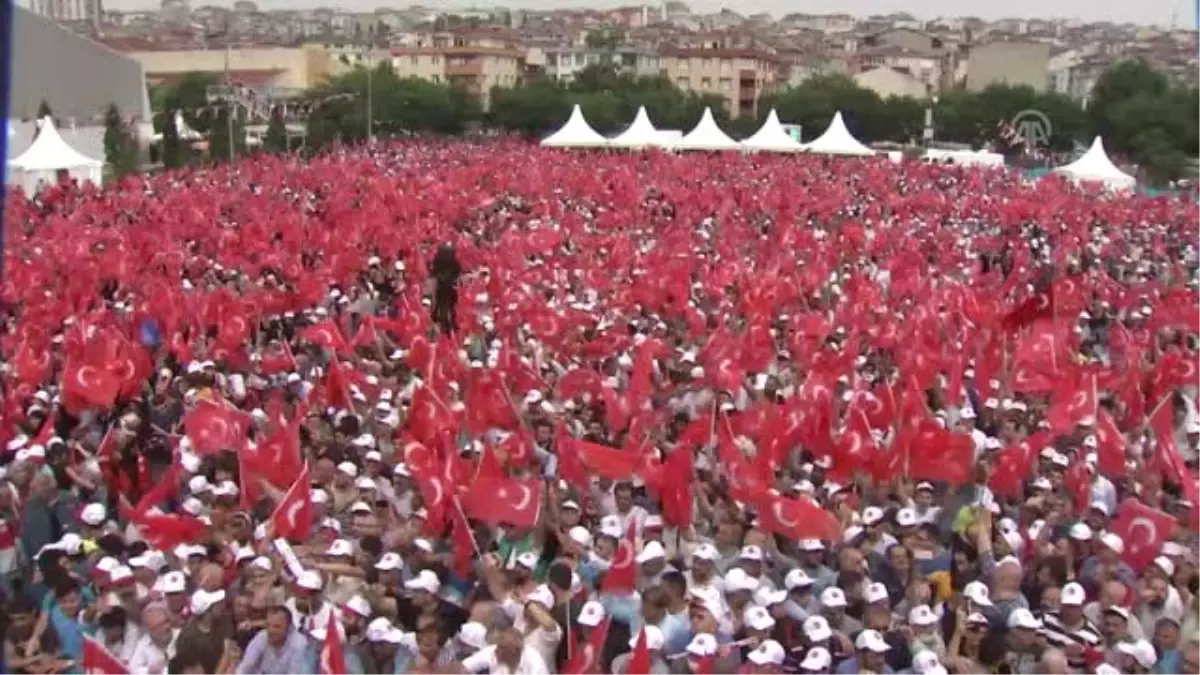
367 55
927 134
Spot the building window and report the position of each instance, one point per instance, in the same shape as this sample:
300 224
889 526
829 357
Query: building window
726 66
706 83
726 84
437 79
414 60
683 83
706 64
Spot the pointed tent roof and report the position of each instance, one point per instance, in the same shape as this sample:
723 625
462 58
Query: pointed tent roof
640 134
706 136
837 141
49 152
1094 165
771 137
576 133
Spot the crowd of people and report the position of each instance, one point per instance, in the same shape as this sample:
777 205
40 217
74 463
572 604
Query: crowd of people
437 407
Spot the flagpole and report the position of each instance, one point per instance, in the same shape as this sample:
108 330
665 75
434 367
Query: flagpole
6 22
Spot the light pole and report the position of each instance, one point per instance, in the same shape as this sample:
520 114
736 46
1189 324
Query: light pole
370 91
229 98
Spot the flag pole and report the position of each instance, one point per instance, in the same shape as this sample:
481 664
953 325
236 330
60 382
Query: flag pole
6 30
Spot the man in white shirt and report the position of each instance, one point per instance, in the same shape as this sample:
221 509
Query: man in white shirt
156 647
508 656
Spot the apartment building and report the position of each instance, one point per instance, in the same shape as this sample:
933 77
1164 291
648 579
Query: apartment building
562 63
68 10
1008 62
739 75
924 67
476 60
301 67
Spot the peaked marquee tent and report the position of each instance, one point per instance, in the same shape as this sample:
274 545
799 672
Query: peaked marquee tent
49 155
837 141
706 136
640 134
771 137
576 133
1095 166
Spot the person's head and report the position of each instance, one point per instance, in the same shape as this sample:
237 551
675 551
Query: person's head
872 651
429 637
1023 629
623 496
654 604
1112 593
22 616
509 646
1166 633
1070 604
156 621
1054 662
279 625
112 623
68 597
1051 599
1114 624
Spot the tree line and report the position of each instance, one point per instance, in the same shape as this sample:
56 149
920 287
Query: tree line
1143 117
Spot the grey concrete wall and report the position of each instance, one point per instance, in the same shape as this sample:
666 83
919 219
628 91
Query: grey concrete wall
77 76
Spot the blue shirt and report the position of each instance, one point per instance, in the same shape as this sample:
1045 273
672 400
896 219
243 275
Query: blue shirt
263 659
1169 663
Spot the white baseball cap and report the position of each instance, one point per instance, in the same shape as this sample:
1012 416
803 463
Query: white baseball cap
172 582
797 578
591 614
1073 595
359 605
704 644
817 628
737 579
339 548
926 662
309 580
382 630
93 514
758 618
426 580
833 597
1113 541
1023 618
817 660
751 553
473 634
389 561
871 640
202 600
651 552
769 652
875 592
978 593
1141 651
922 615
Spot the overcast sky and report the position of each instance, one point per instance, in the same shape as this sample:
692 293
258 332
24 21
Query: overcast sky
1150 12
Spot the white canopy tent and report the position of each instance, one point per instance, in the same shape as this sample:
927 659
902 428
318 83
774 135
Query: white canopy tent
771 137
1095 167
47 158
706 136
837 141
640 134
576 133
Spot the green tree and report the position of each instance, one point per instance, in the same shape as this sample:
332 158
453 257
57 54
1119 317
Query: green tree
120 148
608 39
1125 80
222 146
190 95
276 137
174 153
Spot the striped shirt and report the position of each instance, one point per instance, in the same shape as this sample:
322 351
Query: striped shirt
1058 634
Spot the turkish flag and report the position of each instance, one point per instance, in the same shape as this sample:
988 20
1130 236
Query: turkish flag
1038 306
606 462
292 518
621 576
436 498
166 531
1143 529
213 427
639 661
797 518
332 659
462 541
1072 403
326 335
678 503
938 454
499 500
1110 446
585 658
99 661
86 386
